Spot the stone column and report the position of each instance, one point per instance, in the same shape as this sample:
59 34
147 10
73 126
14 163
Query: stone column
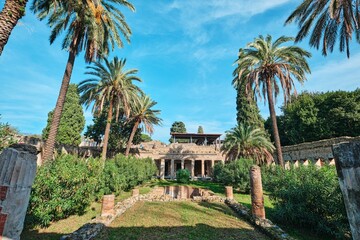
182 163
347 161
107 206
162 168
212 167
17 174
172 169
202 168
229 192
192 169
257 198
135 192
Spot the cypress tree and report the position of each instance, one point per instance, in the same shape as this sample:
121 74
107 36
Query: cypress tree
247 110
72 120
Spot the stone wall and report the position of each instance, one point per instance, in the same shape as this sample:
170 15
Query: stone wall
314 150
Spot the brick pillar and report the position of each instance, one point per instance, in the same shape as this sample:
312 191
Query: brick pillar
17 174
347 162
108 204
135 192
172 169
257 198
229 192
192 169
202 168
162 168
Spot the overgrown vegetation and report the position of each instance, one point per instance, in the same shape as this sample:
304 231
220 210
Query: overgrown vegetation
235 173
309 197
7 135
68 185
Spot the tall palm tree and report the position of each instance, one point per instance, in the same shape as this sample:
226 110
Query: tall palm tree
329 20
264 65
143 114
248 142
113 84
91 25
11 13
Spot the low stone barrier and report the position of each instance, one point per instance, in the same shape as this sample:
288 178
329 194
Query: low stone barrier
264 225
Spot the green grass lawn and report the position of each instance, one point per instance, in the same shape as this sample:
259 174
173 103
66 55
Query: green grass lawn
181 220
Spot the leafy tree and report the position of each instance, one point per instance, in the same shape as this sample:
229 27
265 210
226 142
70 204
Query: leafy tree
200 129
263 64
178 127
119 132
247 142
92 26
111 83
316 116
7 135
143 115
329 20
11 13
72 120
145 138
247 110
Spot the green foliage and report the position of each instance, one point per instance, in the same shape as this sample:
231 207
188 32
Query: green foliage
308 197
119 131
123 173
235 173
200 129
178 127
145 138
7 134
247 110
183 176
248 142
316 116
69 184
72 120
62 188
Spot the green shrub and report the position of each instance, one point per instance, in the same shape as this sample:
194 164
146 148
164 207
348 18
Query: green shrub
308 196
67 185
62 188
235 173
123 173
182 176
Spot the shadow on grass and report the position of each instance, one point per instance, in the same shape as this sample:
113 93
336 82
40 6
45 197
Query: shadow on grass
36 235
199 231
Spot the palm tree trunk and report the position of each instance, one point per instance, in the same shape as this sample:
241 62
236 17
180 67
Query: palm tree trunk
12 11
50 142
107 132
131 138
280 160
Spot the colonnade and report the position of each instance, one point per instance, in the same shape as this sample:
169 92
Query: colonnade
199 168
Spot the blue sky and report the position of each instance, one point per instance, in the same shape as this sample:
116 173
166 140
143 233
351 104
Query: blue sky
184 51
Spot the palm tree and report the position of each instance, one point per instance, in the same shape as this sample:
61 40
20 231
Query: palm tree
264 64
329 20
143 114
111 84
11 13
248 142
91 25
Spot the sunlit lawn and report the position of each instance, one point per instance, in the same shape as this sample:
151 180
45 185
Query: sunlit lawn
181 220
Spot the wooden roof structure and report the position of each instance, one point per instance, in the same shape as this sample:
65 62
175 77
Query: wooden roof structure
197 138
